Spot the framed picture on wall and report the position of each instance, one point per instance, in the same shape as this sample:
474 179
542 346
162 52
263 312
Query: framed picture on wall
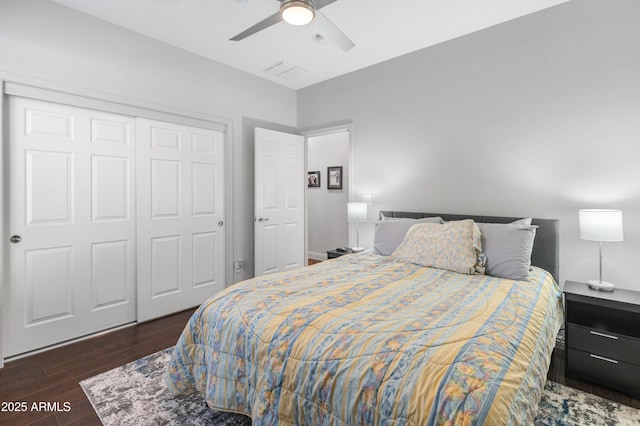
313 179
334 177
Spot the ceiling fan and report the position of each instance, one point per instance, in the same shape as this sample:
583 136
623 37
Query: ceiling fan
302 12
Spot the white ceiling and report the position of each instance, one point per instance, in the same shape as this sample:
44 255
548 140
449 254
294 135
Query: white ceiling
381 30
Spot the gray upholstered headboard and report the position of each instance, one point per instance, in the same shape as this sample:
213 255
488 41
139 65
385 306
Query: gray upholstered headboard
546 246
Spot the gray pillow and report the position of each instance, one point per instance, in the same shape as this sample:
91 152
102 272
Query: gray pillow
524 221
389 234
508 249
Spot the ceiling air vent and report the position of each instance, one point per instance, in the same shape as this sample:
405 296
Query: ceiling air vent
284 70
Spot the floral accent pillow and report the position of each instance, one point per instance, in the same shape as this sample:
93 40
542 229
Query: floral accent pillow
389 233
455 246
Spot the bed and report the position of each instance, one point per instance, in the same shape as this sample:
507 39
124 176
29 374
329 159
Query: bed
373 338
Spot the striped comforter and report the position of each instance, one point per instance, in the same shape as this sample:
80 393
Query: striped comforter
364 340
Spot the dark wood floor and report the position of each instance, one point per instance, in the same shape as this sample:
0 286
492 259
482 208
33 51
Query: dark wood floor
53 376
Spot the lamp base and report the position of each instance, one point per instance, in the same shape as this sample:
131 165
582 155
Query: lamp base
601 285
357 249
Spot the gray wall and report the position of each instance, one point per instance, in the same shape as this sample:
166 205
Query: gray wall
56 46
535 117
327 209
538 116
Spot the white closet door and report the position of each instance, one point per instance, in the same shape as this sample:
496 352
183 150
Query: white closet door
71 212
181 257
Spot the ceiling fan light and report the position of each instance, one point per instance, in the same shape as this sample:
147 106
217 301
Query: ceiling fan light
297 12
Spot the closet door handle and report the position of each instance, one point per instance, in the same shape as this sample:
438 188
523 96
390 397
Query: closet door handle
15 239
263 219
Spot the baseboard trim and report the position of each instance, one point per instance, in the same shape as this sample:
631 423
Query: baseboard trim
68 342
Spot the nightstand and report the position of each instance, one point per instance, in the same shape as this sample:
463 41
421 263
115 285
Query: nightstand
332 254
602 332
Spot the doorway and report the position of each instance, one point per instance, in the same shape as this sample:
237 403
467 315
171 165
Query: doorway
327 206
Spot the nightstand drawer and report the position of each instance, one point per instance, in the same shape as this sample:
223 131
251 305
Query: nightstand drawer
617 375
604 343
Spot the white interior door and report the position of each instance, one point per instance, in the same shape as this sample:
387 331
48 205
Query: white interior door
71 198
181 257
279 201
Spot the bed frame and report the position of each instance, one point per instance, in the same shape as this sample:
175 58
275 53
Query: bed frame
546 246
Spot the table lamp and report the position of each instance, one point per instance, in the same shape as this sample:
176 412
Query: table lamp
357 212
600 225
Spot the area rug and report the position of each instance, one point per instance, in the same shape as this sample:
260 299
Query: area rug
135 394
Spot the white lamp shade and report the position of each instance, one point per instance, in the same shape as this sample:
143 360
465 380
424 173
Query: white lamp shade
600 225
357 212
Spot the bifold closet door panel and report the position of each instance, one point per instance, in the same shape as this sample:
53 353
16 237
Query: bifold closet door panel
71 214
180 224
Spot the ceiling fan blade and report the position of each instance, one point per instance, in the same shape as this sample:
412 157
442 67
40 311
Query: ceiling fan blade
265 23
322 3
329 31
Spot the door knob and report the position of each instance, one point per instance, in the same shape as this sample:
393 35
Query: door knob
263 219
15 239
220 223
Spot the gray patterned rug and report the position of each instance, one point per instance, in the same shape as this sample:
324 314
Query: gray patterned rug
135 394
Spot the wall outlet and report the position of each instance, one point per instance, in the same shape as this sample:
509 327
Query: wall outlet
238 265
